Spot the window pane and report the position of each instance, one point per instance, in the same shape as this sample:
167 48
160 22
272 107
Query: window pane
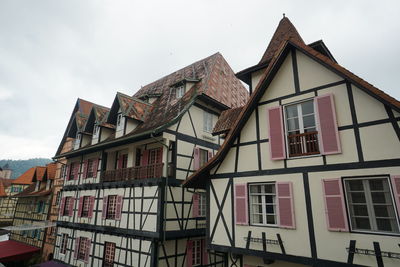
269 188
378 197
270 219
291 111
270 209
356 185
293 124
307 107
384 224
360 210
358 197
362 223
376 184
381 211
309 121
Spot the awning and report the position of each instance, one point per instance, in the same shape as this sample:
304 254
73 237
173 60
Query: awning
11 250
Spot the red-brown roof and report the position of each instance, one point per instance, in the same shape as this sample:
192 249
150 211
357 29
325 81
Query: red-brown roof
51 170
40 172
226 120
11 250
30 192
2 190
26 177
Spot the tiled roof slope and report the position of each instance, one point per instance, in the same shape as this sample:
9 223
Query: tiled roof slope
214 78
2 189
51 170
40 171
133 107
226 120
26 177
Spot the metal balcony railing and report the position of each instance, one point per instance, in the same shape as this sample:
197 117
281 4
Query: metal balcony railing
138 172
303 144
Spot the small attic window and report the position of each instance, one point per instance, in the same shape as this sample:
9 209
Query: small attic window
119 119
180 91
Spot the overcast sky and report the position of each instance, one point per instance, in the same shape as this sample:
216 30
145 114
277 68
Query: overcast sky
52 52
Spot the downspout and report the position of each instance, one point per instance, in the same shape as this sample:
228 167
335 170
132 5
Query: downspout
166 184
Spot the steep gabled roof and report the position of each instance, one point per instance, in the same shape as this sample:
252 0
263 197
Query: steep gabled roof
130 106
226 120
51 170
2 189
199 177
98 114
40 173
25 178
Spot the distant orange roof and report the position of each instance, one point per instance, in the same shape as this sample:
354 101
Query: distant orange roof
51 170
26 177
2 190
40 171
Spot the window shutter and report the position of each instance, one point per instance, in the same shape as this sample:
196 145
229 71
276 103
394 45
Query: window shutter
285 205
105 202
62 206
334 205
68 172
159 155
196 158
71 207
76 170
396 191
145 158
241 216
87 252
328 134
95 167
276 133
118 209
85 168
195 205
91 205
80 206
77 239
205 252
210 155
189 253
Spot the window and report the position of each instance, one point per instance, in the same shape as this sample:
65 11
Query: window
109 253
58 198
155 156
85 206
370 205
40 207
73 170
111 207
96 130
202 205
203 157
207 122
63 243
67 206
263 204
196 252
83 246
180 91
301 131
90 169
77 141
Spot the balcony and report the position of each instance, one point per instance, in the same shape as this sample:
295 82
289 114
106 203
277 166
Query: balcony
138 172
304 144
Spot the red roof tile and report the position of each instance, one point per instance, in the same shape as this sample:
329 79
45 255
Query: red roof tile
2 190
51 170
11 250
40 171
26 177
226 120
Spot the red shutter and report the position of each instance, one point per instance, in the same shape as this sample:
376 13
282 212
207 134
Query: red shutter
68 172
334 205
77 239
241 216
285 205
145 158
71 207
95 166
327 126
210 155
120 161
276 133
80 206
77 166
159 155
189 253
195 205
85 168
118 209
91 205
62 206
205 252
87 252
196 158
105 202
396 191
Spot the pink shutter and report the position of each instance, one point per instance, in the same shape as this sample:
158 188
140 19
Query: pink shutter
87 252
334 205
205 252
159 155
189 253
326 124
68 172
77 167
62 206
95 166
145 158
396 191
80 206
241 216
285 205
196 158
195 205
105 203
91 205
71 207
120 161
210 155
276 133
85 168
77 239
118 209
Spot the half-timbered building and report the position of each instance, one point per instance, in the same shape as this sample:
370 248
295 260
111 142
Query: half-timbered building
309 173
122 202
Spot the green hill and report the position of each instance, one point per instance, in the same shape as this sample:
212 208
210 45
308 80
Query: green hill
20 166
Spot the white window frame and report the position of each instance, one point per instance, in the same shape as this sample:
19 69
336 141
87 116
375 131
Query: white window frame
96 131
263 204
203 157
207 121
111 207
369 204
63 244
196 252
202 204
109 254
85 206
77 142
180 91
82 249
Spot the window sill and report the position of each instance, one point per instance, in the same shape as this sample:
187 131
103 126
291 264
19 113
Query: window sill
305 157
264 225
372 233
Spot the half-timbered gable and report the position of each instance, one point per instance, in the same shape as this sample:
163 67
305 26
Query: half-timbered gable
7 203
308 173
122 202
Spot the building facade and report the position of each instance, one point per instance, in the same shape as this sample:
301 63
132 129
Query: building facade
5 172
122 203
309 172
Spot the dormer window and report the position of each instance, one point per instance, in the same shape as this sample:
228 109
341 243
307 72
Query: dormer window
37 185
119 119
96 130
77 141
180 91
